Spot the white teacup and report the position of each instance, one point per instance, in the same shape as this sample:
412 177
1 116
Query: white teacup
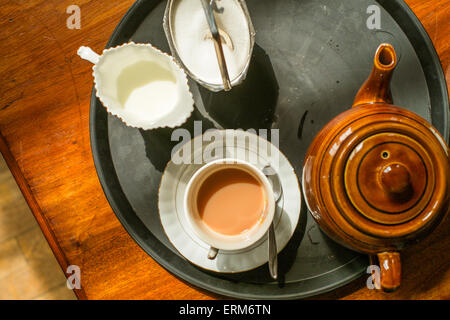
218 241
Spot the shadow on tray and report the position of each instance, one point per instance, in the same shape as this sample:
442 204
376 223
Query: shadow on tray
249 105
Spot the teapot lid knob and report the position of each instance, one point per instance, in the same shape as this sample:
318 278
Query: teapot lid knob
396 181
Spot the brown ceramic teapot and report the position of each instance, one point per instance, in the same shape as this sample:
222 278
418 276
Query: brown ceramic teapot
376 178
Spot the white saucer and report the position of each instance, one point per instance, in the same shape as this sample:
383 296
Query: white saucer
173 186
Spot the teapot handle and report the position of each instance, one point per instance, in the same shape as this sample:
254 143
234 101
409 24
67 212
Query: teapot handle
376 89
391 270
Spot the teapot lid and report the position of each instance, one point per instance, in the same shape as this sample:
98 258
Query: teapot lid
384 170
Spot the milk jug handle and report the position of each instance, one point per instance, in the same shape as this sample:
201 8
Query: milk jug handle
88 54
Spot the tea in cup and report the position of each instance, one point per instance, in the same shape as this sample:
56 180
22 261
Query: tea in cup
229 204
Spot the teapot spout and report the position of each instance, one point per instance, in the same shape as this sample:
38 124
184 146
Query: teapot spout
376 89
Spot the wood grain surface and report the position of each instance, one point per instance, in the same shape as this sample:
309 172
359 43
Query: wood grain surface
44 137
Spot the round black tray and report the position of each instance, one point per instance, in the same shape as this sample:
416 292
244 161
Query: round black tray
309 60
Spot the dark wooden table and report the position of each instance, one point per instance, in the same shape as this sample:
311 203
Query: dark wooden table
44 137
